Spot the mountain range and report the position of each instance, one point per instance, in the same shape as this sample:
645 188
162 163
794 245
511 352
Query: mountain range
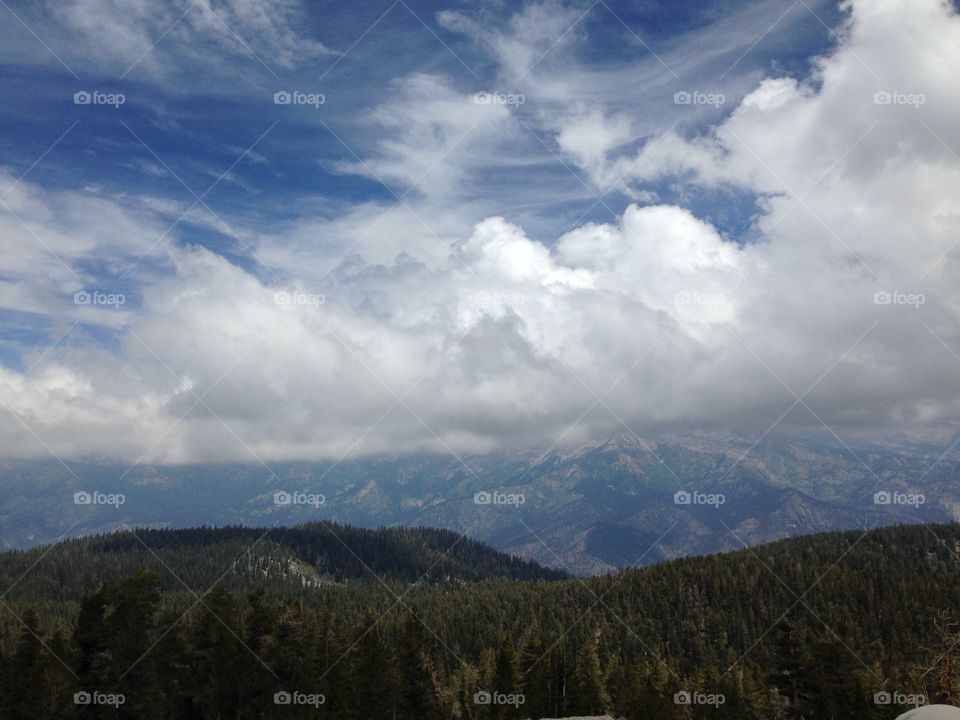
587 509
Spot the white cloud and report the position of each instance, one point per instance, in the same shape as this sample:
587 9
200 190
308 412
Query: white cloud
431 137
55 243
165 39
489 336
589 136
533 33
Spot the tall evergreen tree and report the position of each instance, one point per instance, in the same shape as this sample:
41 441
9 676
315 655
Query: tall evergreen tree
419 695
506 679
791 675
588 695
218 659
374 674
25 690
537 680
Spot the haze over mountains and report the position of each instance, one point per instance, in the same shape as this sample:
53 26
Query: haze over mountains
587 509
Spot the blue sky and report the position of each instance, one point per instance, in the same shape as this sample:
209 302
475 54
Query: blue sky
193 122
200 119
381 193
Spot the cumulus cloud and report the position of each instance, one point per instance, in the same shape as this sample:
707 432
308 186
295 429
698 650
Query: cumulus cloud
481 336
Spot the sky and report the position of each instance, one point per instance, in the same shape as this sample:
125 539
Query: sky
272 230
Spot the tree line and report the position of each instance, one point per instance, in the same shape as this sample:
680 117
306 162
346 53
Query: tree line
834 626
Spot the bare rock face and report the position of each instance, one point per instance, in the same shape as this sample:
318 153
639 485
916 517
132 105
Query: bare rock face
932 712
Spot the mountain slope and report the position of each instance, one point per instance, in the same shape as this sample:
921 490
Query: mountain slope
589 509
311 555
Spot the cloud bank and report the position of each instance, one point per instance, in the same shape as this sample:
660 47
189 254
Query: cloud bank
409 325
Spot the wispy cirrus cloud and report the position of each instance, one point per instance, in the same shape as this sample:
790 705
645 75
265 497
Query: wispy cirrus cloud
147 40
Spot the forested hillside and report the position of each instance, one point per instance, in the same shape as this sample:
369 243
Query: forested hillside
312 554
840 625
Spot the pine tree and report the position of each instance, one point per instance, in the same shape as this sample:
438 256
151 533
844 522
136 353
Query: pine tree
59 679
217 657
419 695
334 676
374 674
25 682
650 693
261 638
835 696
506 678
791 675
537 670
588 694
